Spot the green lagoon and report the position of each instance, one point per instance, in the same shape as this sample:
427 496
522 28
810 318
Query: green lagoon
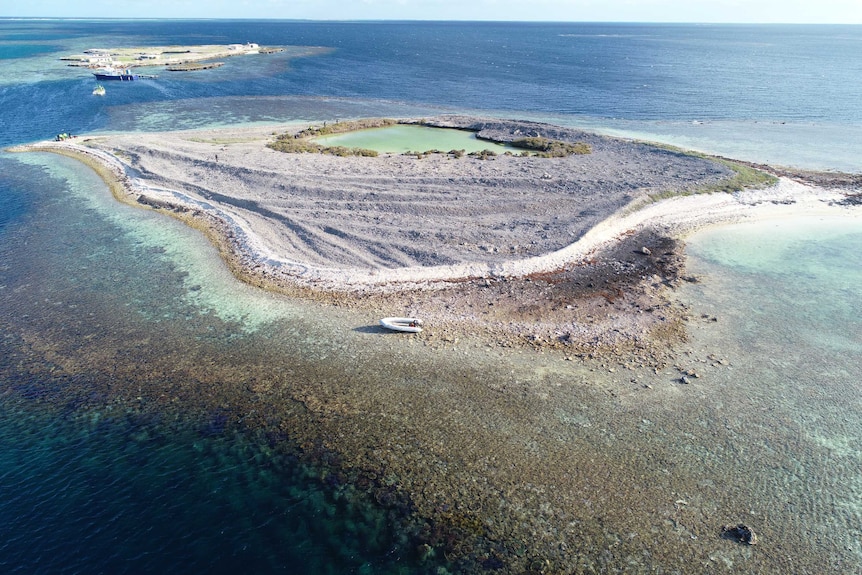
401 138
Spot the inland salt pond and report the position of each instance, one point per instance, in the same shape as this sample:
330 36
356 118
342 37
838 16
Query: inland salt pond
404 138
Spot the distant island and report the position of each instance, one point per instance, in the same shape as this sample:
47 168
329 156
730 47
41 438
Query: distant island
173 58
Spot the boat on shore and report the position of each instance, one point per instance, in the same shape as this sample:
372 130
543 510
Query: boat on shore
407 324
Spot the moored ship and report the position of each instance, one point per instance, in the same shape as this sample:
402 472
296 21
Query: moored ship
108 74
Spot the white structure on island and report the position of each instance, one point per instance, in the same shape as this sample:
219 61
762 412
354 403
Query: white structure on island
248 48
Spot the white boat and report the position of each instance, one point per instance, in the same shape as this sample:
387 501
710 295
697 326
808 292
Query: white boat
408 324
99 90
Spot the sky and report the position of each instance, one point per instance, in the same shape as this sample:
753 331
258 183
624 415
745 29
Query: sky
741 11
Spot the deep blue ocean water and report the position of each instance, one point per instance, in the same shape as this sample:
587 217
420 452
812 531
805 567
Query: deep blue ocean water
93 480
770 86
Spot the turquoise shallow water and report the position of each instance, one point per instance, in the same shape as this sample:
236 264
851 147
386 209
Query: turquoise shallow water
803 273
402 139
787 296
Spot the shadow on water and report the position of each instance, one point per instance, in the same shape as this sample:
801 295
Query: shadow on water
378 329
372 329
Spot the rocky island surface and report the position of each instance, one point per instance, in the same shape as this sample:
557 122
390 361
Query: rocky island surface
573 252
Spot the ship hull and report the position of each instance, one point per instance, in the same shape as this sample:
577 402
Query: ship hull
116 77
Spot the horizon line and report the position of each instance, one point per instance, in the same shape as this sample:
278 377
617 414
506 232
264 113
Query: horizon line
439 20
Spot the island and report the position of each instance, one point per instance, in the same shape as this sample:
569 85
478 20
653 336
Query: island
577 252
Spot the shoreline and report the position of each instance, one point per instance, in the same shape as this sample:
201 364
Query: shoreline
607 292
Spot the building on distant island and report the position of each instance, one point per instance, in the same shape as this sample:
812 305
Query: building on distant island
96 57
250 47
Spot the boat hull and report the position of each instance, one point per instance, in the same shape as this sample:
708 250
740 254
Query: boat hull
116 77
405 324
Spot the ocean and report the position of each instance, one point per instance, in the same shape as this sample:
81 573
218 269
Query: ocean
158 415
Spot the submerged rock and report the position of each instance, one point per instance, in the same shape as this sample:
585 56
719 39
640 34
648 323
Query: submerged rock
740 533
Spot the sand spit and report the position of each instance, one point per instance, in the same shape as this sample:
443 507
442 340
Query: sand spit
553 251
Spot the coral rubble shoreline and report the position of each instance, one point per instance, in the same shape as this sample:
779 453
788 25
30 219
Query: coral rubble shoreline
561 252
